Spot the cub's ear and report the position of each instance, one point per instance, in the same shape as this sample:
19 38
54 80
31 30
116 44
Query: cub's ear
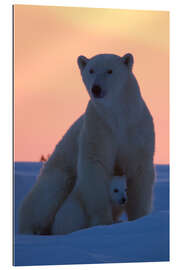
128 60
82 61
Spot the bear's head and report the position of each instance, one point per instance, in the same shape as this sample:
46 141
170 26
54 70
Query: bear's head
105 76
118 195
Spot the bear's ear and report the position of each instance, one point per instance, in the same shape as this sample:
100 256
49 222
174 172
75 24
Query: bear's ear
128 60
82 61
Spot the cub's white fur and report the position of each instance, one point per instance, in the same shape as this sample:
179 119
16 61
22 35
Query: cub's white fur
118 196
115 135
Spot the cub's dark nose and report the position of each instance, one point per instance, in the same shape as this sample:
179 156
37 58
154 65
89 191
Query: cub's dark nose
123 200
97 91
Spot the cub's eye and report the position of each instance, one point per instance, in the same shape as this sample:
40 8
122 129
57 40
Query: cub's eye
91 71
116 190
109 71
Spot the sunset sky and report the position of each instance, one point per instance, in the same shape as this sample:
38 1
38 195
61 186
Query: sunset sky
48 91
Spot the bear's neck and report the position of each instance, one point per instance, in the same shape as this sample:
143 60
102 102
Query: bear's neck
127 110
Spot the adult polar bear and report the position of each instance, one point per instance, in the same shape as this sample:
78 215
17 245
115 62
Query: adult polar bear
114 135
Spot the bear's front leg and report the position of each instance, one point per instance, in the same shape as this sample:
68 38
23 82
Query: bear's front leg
70 217
95 168
140 191
92 189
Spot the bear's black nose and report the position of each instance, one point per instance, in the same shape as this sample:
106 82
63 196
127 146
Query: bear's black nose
96 90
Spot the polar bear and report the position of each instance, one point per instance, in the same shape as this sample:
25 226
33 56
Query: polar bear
72 217
115 135
118 196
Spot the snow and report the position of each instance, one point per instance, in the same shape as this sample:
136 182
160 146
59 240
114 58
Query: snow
143 240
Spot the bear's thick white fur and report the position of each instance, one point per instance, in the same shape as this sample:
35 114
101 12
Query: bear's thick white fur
72 217
115 135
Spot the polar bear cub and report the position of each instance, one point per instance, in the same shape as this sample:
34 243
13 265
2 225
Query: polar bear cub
72 217
118 196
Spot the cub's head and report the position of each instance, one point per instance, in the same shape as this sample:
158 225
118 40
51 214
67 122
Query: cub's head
118 189
105 76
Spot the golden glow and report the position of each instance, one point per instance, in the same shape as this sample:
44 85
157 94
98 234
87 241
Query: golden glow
49 93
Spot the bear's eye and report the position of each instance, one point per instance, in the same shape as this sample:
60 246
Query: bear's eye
109 71
91 71
116 190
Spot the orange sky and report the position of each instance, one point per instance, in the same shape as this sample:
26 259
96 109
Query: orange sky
48 91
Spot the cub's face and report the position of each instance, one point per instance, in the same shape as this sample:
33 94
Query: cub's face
105 76
118 189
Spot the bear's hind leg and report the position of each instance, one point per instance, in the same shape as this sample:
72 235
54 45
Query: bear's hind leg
39 207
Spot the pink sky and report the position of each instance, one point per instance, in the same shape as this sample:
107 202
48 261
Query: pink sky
49 93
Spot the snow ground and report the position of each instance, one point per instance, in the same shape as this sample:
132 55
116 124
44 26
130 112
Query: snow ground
143 240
